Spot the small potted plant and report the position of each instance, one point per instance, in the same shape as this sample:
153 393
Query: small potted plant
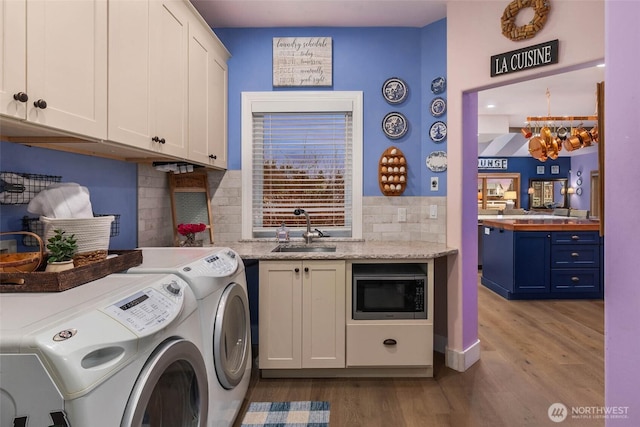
61 248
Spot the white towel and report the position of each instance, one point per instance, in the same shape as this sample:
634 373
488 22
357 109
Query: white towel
62 200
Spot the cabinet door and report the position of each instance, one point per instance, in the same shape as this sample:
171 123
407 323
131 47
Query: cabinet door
169 88
323 314
207 98
532 261
129 73
280 316
67 65
13 63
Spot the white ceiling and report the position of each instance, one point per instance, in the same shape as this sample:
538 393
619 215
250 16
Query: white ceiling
572 93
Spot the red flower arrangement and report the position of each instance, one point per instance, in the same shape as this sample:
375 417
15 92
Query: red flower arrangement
186 229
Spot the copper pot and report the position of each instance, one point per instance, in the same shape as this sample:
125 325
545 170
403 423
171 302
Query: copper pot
594 133
526 132
538 148
553 149
585 137
572 143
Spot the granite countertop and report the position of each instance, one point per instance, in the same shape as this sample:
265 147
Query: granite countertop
345 249
549 224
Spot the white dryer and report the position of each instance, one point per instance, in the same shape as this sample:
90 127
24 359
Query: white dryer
119 351
217 278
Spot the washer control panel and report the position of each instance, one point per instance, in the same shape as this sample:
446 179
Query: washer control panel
150 309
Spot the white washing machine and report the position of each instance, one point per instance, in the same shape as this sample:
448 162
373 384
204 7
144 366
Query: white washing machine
217 278
119 351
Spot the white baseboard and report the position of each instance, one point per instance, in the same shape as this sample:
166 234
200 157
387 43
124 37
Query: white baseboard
440 344
462 360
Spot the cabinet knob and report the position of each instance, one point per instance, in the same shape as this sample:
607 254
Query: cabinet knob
389 342
575 254
574 237
21 96
158 140
575 279
297 270
306 269
40 103
213 157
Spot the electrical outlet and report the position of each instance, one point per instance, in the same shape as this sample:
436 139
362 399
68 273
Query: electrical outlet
433 211
434 183
402 214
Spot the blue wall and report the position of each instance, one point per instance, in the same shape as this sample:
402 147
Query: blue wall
527 167
363 58
112 185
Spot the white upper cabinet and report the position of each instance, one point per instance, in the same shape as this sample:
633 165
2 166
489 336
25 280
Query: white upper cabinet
148 75
167 81
207 98
53 69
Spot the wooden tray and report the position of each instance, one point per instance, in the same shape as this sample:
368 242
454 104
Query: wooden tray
42 281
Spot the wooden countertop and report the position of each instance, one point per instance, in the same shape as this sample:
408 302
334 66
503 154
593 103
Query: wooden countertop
347 250
549 224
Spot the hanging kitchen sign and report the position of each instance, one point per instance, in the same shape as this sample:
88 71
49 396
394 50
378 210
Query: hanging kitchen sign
493 164
302 61
525 59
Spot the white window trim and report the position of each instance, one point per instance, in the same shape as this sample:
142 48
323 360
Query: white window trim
294 102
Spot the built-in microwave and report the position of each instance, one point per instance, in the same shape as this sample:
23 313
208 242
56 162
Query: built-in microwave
389 291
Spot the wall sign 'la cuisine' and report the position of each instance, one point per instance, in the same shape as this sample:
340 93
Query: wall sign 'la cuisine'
525 59
302 61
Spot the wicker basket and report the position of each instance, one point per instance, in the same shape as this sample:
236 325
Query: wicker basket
92 234
25 262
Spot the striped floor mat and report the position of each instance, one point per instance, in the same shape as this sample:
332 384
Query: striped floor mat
287 414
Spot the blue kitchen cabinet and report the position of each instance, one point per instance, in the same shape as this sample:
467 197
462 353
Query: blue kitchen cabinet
542 264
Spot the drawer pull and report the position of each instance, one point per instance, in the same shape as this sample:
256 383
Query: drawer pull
574 237
575 279
575 254
389 342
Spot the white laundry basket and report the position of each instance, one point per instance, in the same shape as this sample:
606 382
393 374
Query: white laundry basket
92 234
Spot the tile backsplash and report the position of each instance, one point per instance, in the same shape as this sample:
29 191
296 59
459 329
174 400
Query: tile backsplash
379 213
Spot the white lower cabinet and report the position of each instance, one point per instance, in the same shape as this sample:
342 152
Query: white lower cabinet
384 345
302 314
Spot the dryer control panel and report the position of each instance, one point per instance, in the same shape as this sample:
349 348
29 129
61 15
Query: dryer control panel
221 264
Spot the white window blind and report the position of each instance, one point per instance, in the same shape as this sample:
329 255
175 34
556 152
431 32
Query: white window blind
302 160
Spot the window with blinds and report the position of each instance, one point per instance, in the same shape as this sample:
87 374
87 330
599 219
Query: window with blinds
301 159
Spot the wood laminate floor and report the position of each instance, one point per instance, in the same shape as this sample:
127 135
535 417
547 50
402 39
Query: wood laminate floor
533 354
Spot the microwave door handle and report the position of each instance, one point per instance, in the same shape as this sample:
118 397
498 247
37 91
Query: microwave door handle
389 342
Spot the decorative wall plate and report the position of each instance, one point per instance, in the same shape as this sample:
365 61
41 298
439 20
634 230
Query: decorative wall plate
394 90
438 85
579 191
437 161
438 107
438 131
395 125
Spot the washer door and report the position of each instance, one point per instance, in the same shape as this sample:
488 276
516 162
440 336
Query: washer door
231 339
171 390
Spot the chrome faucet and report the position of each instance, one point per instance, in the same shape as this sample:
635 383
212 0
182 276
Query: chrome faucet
308 235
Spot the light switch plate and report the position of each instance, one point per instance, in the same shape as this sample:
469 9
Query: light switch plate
433 211
402 214
434 183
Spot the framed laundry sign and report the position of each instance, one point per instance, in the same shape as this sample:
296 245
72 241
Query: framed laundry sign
302 61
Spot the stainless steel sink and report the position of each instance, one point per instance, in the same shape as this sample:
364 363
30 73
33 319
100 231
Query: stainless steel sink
288 248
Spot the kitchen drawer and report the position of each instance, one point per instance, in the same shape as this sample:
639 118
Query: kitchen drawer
413 345
575 237
572 256
575 280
